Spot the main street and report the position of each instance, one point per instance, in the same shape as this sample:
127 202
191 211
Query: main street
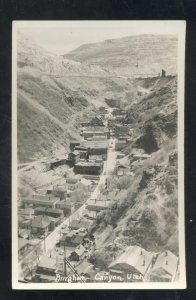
49 242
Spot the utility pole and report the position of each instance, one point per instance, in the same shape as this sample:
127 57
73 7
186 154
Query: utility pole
65 264
45 241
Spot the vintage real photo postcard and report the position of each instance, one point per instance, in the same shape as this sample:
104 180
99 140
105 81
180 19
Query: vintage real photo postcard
98 155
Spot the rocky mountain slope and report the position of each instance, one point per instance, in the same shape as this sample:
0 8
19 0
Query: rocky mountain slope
147 214
143 54
53 93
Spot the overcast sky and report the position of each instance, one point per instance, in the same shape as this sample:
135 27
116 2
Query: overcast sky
62 37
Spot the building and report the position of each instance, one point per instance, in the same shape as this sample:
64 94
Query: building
72 183
72 239
74 156
88 167
77 253
123 170
54 212
91 177
95 135
97 205
95 121
59 191
100 137
24 233
66 206
96 158
81 224
23 246
27 212
46 270
119 112
96 147
40 225
121 130
86 270
40 210
165 267
119 145
85 123
57 162
73 144
40 200
133 264
24 224
93 132
51 212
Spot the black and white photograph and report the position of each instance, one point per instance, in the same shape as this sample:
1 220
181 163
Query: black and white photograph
98 155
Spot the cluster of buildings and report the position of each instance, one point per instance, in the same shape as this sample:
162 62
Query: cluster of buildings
38 215
137 264
88 155
74 245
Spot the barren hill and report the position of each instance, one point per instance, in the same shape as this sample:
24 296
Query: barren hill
53 93
143 54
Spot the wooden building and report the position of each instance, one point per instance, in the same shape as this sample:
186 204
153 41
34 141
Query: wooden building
77 253
40 200
133 265
74 156
46 270
165 267
59 191
73 144
87 167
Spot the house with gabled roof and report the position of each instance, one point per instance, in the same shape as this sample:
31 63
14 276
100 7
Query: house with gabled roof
165 267
133 264
77 253
40 224
46 270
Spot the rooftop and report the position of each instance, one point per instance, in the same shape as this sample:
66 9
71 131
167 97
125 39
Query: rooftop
72 180
95 144
97 204
59 188
54 210
45 209
84 268
47 262
79 250
81 224
167 261
26 211
75 152
40 208
134 256
88 164
40 222
41 198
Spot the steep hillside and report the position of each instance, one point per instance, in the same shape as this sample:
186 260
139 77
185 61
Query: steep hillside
147 214
143 54
53 93
154 116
